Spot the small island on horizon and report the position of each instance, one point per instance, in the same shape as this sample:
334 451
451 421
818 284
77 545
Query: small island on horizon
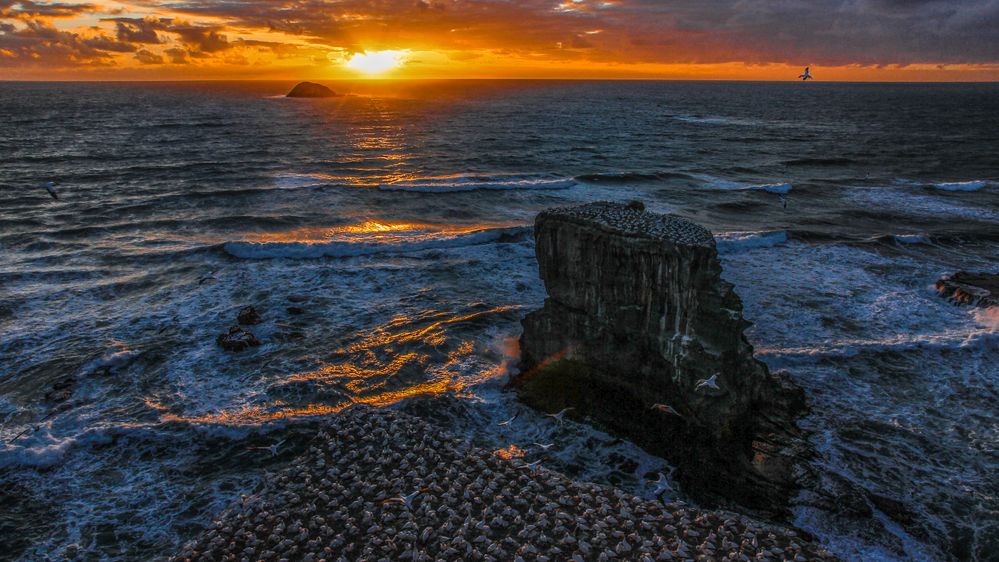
310 90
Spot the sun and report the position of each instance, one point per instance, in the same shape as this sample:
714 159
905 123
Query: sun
376 62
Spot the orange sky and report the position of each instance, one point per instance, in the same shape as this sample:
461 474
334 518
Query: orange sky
674 39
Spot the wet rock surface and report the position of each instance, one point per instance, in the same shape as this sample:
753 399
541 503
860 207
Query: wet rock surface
248 316
381 485
977 289
640 334
237 339
310 90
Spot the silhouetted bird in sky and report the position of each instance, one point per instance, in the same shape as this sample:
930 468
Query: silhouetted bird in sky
807 75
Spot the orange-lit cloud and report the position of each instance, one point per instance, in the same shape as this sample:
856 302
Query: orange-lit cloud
765 39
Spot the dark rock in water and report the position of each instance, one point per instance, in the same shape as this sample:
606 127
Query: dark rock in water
237 339
978 289
636 205
637 314
61 390
296 310
248 316
310 90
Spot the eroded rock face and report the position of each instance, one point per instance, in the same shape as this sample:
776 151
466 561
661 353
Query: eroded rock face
637 314
237 339
310 90
978 289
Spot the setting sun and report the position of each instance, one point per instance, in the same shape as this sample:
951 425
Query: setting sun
376 62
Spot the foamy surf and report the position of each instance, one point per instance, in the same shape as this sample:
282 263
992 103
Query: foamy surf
472 182
962 186
741 241
367 240
728 185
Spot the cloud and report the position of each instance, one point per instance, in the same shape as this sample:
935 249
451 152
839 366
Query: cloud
818 32
147 57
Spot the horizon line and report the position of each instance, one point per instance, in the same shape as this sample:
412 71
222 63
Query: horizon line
502 79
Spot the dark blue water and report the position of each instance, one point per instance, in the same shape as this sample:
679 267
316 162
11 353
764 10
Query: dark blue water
398 218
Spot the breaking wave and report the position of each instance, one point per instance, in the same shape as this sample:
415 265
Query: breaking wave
473 182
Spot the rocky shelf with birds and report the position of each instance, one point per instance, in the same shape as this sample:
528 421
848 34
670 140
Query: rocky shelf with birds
383 485
641 334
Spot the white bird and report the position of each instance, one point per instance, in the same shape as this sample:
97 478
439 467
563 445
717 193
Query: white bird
666 409
405 500
509 421
663 485
272 448
559 415
711 382
530 465
50 187
542 446
807 75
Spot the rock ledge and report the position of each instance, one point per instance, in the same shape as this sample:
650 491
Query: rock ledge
637 316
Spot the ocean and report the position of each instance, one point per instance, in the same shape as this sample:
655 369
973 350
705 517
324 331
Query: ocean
384 236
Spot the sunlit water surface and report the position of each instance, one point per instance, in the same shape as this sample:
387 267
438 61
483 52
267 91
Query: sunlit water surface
396 223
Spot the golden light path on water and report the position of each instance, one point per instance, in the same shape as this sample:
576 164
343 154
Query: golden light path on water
404 348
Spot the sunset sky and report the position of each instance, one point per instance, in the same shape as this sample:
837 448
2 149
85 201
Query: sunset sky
341 39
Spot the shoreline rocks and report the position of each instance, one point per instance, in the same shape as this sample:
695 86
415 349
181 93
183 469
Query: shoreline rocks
310 90
640 334
972 288
382 485
237 339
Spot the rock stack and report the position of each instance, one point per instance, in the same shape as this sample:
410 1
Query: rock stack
640 334
378 485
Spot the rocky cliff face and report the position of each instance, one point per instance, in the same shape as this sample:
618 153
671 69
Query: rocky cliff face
637 319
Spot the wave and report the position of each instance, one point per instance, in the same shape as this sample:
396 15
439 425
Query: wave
473 182
740 241
628 177
728 185
835 161
974 185
398 242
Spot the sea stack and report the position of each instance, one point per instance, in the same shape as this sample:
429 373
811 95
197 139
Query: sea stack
310 90
637 316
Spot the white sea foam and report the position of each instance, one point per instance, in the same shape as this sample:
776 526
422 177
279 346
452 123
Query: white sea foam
911 238
396 243
473 182
729 185
962 186
298 181
741 241
917 203
112 360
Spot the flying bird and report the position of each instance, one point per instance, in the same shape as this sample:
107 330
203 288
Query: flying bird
807 75
543 446
558 417
272 448
666 409
509 421
711 382
405 500
50 187
663 485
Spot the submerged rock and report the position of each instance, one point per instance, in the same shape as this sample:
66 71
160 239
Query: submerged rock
640 333
248 316
237 339
310 90
978 289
